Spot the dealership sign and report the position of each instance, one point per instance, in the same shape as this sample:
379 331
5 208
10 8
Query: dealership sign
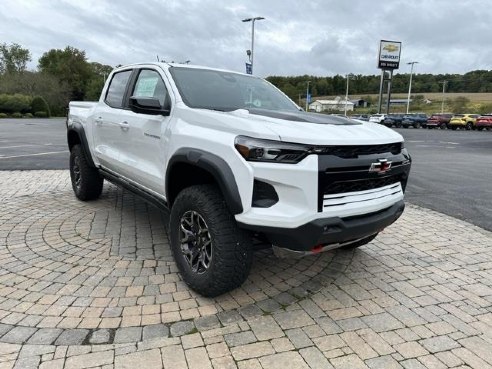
389 54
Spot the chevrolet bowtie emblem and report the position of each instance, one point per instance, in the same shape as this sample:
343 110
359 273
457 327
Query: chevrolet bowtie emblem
382 166
390 48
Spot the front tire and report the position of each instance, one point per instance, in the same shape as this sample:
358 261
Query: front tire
213 255
87 184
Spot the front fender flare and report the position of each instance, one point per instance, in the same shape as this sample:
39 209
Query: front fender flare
216 166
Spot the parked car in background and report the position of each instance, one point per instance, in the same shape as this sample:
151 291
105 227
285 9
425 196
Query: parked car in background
393 120
440 120
484 121
377 118
364 117
415 120
466 121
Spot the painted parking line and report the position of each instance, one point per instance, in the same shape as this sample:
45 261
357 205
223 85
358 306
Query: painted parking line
38 154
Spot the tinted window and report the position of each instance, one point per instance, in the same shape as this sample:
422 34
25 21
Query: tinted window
116 89
217 90
150 84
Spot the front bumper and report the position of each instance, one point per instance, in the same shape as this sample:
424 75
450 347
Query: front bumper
327 231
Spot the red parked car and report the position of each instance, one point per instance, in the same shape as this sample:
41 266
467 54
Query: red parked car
484 121
439 120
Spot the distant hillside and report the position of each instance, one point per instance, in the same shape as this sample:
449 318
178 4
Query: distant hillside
479 97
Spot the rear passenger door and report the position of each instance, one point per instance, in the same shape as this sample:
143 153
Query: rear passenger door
106 125
143 148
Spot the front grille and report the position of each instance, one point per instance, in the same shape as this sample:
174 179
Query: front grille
355 197
350 152
360 184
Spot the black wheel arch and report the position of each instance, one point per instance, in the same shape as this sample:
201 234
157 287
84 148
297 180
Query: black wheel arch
209 167
76 135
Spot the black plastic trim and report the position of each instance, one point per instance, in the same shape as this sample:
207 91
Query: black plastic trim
78 128
216 166
327 231
148 197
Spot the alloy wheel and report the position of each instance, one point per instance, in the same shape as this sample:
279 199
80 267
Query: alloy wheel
195 241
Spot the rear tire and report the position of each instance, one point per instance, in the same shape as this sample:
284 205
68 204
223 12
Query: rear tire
359 243
213 255
87 184
469 126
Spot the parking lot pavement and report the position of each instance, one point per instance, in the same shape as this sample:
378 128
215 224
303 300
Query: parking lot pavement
94 284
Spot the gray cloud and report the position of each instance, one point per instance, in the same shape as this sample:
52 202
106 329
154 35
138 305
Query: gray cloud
316 37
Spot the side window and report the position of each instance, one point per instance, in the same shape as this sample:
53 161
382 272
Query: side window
117 88
150 84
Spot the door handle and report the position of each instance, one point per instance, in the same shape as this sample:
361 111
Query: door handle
98 121
124 126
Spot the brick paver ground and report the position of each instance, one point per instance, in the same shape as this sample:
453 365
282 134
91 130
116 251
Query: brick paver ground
94 285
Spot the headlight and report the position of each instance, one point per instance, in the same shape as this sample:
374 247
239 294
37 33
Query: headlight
253 149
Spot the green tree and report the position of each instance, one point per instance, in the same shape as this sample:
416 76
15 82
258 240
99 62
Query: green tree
16 103
13 58
56 93
70 66
38 104
95 85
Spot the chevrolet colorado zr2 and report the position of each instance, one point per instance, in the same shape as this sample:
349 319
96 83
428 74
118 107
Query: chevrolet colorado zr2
235 161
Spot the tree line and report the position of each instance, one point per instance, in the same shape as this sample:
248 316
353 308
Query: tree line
474 81
66 74
62 75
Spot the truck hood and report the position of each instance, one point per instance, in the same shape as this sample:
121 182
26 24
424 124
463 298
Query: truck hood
296 127
321 129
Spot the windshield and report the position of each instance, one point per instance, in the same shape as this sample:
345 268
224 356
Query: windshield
225 91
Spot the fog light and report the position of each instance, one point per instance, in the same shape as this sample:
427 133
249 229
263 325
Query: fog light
264 195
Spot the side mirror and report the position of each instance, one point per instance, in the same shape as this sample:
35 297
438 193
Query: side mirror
147 105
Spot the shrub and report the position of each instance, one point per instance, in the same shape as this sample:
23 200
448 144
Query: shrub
41 114
15 103
3 115
40 104
16 115
28 115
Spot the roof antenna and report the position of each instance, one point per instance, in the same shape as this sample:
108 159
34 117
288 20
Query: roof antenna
157 58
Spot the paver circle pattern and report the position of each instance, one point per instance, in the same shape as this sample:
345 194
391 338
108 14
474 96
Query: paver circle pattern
101 272
68 264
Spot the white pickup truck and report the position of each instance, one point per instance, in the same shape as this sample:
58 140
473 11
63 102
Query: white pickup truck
236 162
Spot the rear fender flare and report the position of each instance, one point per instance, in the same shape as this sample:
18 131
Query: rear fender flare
76 130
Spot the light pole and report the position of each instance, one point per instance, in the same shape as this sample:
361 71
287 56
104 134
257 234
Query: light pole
251 55
410 85
346 91
307 95
443 91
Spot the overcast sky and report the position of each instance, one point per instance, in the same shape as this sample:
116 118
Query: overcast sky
312 37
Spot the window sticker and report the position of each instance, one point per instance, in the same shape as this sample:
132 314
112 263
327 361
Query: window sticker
146 86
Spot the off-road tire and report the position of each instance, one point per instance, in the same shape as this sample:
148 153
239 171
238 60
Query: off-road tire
87 184
232 251
359 243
